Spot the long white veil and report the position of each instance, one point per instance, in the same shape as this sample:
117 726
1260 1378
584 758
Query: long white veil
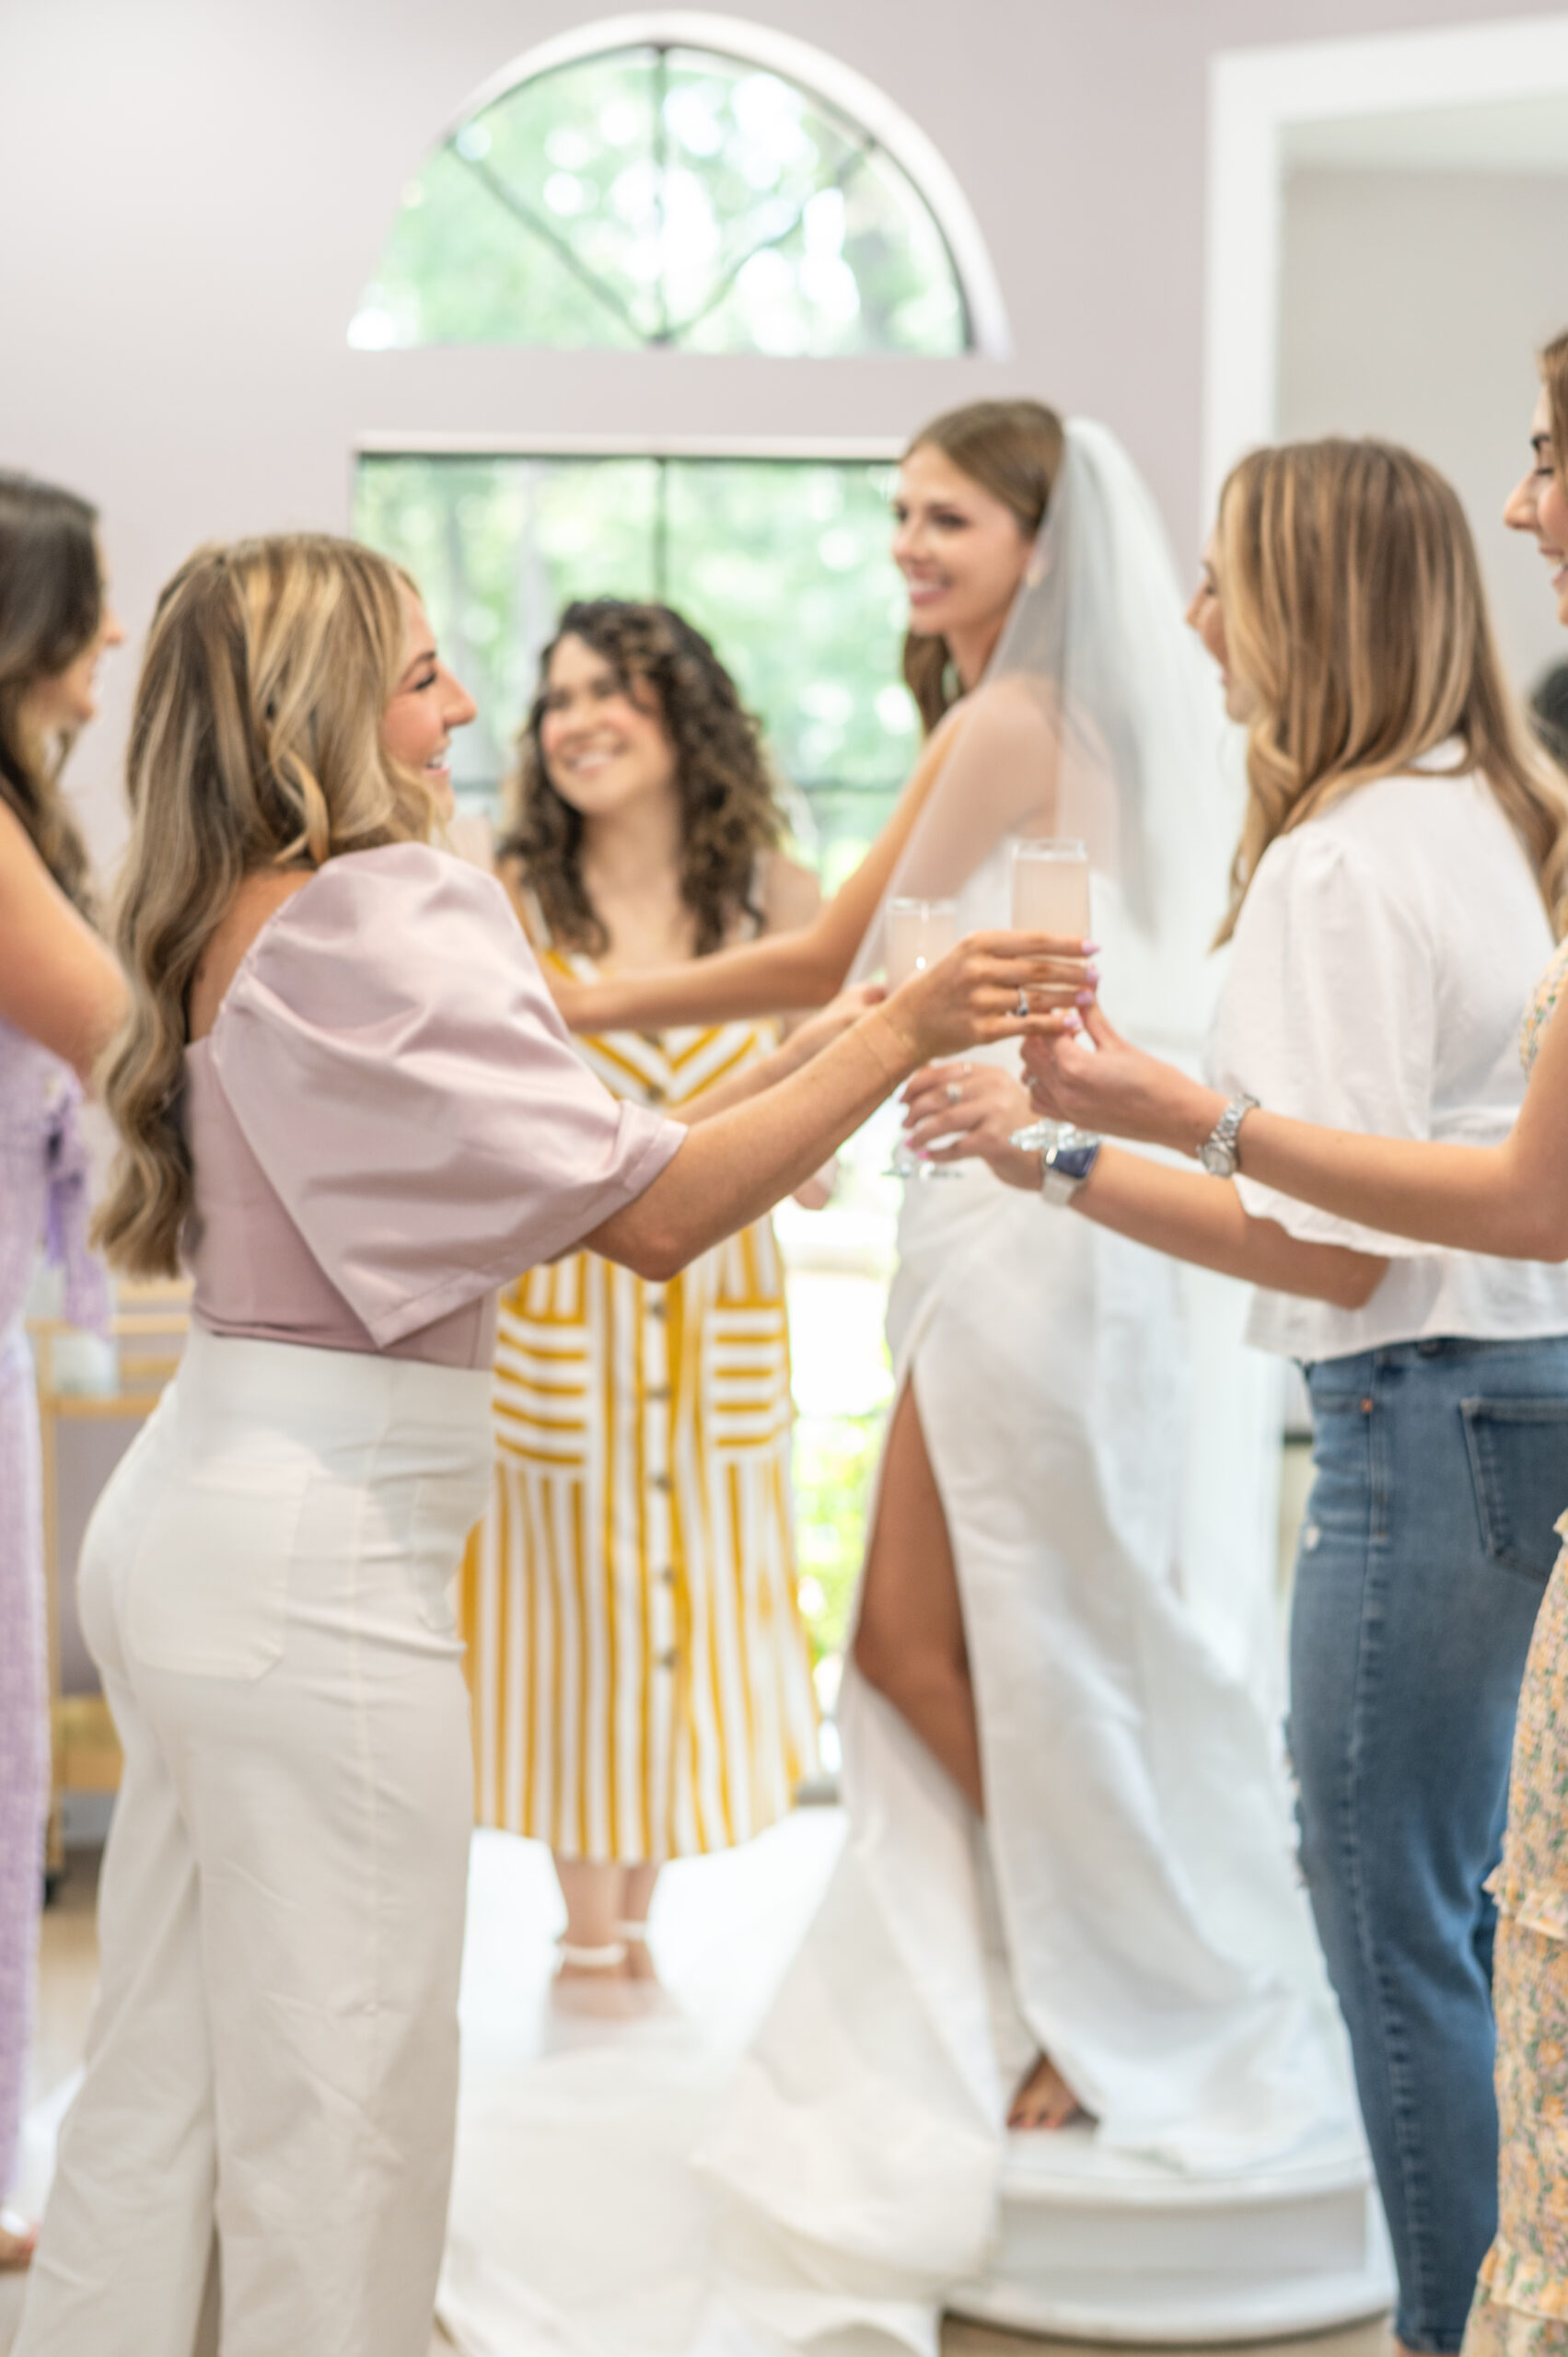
1098 717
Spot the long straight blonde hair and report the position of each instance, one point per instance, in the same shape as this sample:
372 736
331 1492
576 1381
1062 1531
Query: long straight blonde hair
255 744
1355 610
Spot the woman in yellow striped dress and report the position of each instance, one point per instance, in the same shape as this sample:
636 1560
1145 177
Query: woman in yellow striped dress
640 1675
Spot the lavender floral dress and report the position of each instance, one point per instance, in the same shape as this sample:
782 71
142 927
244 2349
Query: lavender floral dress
43 1191
1521 2304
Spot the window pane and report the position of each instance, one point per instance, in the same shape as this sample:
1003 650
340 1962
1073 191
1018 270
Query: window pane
665 196
785 566
782 563
498 546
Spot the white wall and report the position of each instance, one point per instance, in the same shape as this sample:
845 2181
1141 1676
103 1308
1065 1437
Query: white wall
194 192
1410 304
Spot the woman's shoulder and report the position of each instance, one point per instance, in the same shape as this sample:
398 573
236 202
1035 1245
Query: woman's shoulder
393 884
392 918
1424 829
1401 823
1012 707
1392 853
1325 877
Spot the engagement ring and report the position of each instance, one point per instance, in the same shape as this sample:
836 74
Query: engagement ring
1023 1007
954 1091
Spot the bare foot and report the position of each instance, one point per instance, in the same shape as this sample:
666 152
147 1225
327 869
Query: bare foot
18 2240
1045 2100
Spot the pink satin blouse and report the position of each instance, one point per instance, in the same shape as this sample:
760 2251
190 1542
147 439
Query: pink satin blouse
387 1120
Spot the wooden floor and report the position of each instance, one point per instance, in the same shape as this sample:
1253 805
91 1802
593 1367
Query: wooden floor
70 1961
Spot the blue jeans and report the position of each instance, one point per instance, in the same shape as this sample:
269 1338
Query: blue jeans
1439 1470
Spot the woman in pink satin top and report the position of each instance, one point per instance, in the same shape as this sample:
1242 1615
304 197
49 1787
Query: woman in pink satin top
344 1094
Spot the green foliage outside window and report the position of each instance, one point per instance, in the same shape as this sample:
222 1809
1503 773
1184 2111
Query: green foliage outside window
784 563
664 195
835 1459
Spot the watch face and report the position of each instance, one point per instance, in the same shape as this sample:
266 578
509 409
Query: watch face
1219 1161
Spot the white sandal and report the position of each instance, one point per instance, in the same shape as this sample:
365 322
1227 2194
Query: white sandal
633 1935
604 1959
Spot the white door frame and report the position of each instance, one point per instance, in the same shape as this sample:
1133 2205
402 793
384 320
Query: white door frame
1255 95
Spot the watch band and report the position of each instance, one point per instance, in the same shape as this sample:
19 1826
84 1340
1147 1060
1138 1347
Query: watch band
1065 1165
1218 1152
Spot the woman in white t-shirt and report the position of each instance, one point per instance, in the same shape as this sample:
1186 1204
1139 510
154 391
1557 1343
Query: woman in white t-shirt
1396 821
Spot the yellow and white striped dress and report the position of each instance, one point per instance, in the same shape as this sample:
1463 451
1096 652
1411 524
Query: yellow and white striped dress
640 1676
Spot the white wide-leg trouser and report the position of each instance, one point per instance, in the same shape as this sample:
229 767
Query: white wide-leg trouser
273 2049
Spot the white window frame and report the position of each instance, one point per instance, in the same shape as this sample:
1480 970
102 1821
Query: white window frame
814 69
435 442
1256 98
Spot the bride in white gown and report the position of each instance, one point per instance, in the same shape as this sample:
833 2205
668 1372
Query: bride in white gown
1068 1878
1110 1887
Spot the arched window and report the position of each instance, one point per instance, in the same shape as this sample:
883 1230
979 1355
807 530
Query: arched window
655 193
688 183
652 196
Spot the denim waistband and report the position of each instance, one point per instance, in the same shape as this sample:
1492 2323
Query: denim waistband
1448 1347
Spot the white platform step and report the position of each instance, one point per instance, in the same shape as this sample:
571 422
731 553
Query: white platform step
1100 2246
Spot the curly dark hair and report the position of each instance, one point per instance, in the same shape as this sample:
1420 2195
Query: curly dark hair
727 805
50 605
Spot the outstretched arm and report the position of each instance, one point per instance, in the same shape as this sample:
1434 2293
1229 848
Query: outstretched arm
804 1040
781 972
1510 1200
1189 1216
735 1165
1196 1218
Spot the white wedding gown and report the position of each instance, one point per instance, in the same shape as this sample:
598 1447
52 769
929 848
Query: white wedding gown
1107 1457
1131 1905
1105 1454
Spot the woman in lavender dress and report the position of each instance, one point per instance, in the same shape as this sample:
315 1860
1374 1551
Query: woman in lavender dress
60 995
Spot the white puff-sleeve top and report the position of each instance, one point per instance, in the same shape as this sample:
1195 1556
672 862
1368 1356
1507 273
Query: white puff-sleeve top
1382 961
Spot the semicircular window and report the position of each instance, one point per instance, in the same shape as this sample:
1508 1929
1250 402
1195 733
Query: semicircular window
665 196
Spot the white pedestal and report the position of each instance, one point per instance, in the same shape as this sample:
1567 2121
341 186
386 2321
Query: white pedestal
1097 2245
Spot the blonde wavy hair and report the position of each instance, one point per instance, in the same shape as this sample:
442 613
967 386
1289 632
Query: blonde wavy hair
1355 610
255 744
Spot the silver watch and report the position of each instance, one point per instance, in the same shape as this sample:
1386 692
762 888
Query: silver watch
1065 1163
1218 1152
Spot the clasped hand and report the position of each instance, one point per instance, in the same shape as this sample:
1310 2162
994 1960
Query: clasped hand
990 986
1098 1080
960 1112
1081 1071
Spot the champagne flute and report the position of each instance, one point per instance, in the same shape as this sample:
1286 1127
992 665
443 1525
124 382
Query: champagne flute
1050 894
917 933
